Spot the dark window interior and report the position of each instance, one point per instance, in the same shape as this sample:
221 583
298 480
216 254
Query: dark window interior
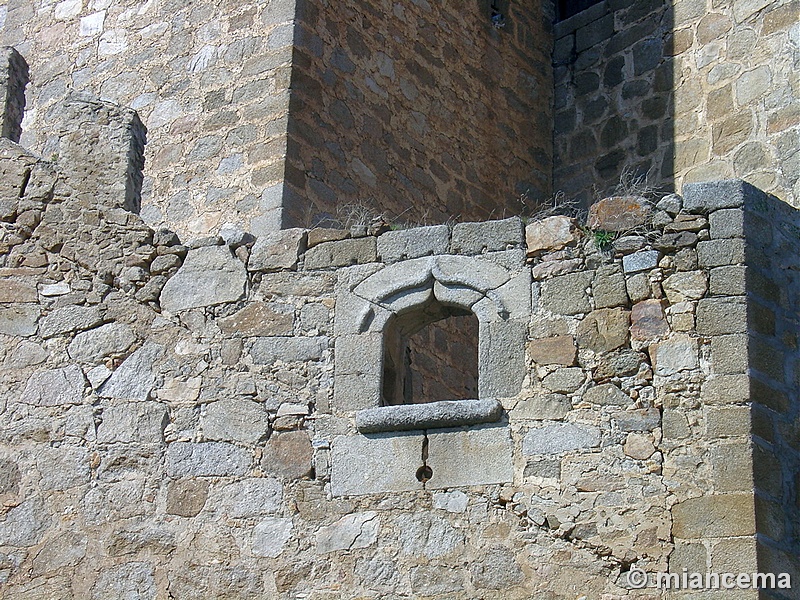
431 354
567 8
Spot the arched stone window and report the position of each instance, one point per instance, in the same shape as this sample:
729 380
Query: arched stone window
372 306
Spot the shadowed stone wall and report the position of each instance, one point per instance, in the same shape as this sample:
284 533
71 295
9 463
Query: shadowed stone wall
687 91
423 110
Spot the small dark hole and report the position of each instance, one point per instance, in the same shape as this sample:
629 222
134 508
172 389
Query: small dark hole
424 473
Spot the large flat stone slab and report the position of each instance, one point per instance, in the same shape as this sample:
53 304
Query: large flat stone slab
465 457
376 463
210 275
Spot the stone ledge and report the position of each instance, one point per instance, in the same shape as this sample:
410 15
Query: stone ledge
445 413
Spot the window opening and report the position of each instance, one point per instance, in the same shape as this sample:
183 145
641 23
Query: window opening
431 354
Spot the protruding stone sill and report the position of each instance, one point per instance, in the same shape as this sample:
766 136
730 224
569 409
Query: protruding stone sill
445 413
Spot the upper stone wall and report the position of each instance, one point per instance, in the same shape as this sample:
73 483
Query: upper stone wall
210 83
689 91
423 110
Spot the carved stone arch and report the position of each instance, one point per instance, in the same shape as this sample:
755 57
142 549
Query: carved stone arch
500 299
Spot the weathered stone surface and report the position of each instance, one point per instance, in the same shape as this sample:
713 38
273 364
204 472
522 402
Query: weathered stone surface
557 438
712 516
387 463
17 291
497 570
709 196
553 268
134 378
542 407
684 223
638 446
19 320
607 394
726 223
728 281
445 413
65 550
629 243
69 318
487 236
206 459
729 354
378 572
24 524
453 502
55 387
107 340
209 275
429 535
141 422
618 213
670 242
63 468
267 350
478 456
638 287
277 250
640 419
288 455
565 380
718 316
270 536
567 295
608 288
342 253
235 420
618 364
432 580
413 243
677 353
717 253
648 321
250 498
318 235
640 261
127 580
558 350
186 497
604 329
552 233
357 530
501 357
687 285
260 319
726 389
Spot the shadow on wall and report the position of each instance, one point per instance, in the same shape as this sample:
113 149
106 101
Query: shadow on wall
772 242
613 107
427 111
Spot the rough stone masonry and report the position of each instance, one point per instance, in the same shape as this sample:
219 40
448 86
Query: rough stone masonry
181 419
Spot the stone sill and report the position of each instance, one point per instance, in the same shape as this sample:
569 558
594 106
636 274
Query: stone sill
445 413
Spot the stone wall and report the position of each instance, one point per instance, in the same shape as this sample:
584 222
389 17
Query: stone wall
210 82
187 420
382 96
770 230
689 91
424 111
